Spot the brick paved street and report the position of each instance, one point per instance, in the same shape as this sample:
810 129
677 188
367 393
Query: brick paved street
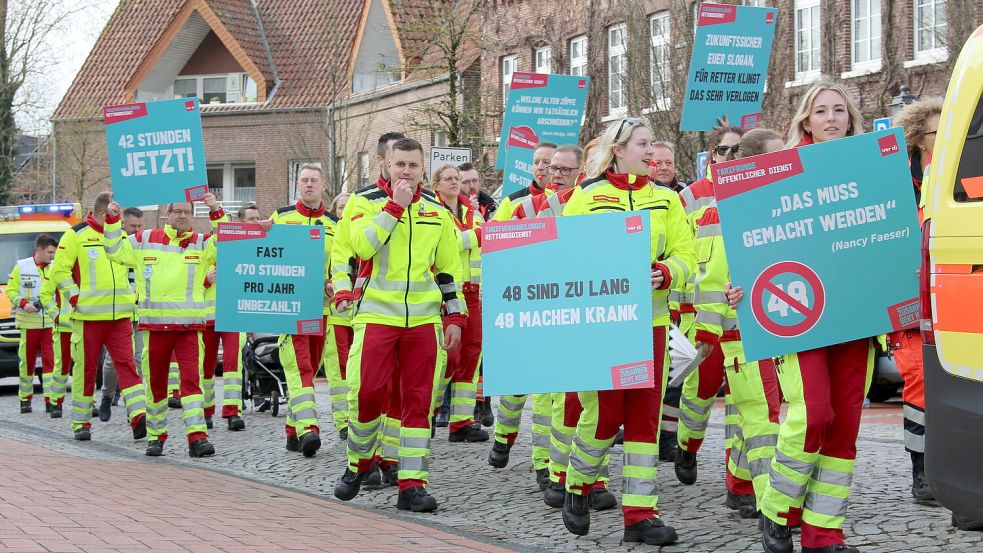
501 507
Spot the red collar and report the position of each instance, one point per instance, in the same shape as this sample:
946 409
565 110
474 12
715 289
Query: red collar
40 265
462 202
91 221
806 140
535 189
387 186
308 212
621 182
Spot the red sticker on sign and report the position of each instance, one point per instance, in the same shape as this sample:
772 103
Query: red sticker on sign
888 145
529 80
633 224
502 235
633 376
715 14
195 193
792 297
115 114
228 232
310 327
905 314
731 178
750 121
523 137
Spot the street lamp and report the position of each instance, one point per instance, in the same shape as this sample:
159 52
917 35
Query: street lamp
901 100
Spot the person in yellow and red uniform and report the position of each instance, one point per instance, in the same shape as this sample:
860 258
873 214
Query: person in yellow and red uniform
407 247
62 338
618 181
811 476
339 339
920 122
301 354
104 305
34 324
174 262
522 205
462 362
565 173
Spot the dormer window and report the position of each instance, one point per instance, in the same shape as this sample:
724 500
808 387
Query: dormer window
216 89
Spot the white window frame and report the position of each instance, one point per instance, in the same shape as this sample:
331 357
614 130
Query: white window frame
617 54
341 173
866 20
936 52
364 174
227 194
578 64
812 73
661 41
237 87
754 3
543 59
510 64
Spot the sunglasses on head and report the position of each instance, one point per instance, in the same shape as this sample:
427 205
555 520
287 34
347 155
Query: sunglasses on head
722 150
631 122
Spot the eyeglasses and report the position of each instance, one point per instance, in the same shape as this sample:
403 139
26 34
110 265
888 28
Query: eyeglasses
181 211
722 150
631 122
930 132
563 171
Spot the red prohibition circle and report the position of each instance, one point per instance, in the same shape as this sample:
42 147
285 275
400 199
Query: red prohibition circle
812 315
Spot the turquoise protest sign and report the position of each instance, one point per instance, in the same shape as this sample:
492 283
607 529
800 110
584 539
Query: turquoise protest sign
729 65
156 153
553 323
824 239
270 282
540 108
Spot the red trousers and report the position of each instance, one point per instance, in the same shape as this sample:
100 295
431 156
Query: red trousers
117 337
307 350
184 346
711 378
462 361
907 346
230 348
343 337
37 340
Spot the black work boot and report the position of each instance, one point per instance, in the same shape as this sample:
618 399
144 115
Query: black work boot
499 456
650 531
293 444
310 443
209 424
668 446
373 479
576 513
56 411
140 430
554 494
775 537
920 489
601 499
836 548
470 433
47 407
83 434
155 448
416 499
542 478
349 485
343 435
390 474
483 413
443 417
106 409
25 406
685 465
236 423
201 448
174 402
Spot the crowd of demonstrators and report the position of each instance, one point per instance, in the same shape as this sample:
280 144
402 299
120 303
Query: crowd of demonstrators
402 303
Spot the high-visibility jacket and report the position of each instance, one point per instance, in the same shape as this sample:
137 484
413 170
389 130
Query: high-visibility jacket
300 214
551 205
715 320
63 322
671 237
97 287
344 264
174 266
467 229
409 257
524 198
23 289
695 199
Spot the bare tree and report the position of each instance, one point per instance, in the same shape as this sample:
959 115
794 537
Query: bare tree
83 161
25 26
440 39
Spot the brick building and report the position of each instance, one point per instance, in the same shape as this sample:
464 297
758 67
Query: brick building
288 82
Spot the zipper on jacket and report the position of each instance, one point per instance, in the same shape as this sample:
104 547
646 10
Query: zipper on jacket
631 204
112 271
409 264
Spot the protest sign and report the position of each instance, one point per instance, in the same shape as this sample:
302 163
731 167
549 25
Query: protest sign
552 323
824 239
540 108
729 65
156 153
270 282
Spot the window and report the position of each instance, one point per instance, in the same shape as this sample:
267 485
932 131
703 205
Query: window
754 3
341 173
544 62
438 139
244 184
930 27
659 59
510 64
228 88
363 169
293 170
617 68
578 56
971 159
807 27
866 32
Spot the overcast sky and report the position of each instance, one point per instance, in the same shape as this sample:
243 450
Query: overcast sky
71 45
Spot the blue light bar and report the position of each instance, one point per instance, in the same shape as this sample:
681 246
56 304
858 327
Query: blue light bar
50 208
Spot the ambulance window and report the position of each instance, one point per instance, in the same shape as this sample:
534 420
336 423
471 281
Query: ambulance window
971 162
